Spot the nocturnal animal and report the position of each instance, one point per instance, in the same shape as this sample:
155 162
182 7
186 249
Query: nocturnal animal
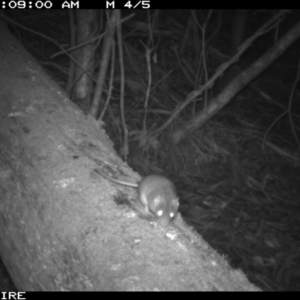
156 193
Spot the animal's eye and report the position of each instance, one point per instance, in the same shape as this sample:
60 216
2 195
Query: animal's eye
172 215
159 213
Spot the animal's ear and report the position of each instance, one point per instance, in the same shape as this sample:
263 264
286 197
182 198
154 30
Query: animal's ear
175 202
157 201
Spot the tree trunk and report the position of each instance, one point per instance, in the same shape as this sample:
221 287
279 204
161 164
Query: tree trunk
61 225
